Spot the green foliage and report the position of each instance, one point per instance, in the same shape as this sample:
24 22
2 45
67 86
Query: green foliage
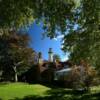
84 42
59 16
15 13
53 13
15 54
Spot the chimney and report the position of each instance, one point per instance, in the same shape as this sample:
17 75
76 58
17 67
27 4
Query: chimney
50 53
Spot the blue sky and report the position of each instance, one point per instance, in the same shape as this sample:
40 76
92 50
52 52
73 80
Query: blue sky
42 45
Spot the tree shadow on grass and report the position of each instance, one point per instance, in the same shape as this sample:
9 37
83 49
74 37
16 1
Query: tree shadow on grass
62 94
4 83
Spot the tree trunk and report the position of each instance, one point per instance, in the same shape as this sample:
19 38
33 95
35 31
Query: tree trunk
15 74
15 70
16 77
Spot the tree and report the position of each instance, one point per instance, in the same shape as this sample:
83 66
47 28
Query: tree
53 13
59 16
16 56
84 42
82 75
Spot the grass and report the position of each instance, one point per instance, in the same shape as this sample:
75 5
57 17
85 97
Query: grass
22 91
19 90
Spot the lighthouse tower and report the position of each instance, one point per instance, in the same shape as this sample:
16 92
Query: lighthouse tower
40 60
50 53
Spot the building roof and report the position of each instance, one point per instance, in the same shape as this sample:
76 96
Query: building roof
64 70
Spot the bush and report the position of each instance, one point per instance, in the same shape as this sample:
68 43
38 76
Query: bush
82 76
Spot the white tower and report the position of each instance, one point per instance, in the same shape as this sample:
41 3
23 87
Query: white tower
50 53
40 60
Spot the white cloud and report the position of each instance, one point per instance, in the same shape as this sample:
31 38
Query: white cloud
64 58
59 37
55 39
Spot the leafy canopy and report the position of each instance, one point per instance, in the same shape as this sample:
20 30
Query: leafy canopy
84 42
59 16
15 55
53 13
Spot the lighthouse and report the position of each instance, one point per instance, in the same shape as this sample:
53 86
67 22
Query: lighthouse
50 53
40 60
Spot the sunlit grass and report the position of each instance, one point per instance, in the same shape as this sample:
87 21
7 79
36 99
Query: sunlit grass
23 91
19 90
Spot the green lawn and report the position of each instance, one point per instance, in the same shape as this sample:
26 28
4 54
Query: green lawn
22 91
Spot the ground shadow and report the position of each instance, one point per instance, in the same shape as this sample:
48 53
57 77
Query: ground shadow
62 94
4 83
